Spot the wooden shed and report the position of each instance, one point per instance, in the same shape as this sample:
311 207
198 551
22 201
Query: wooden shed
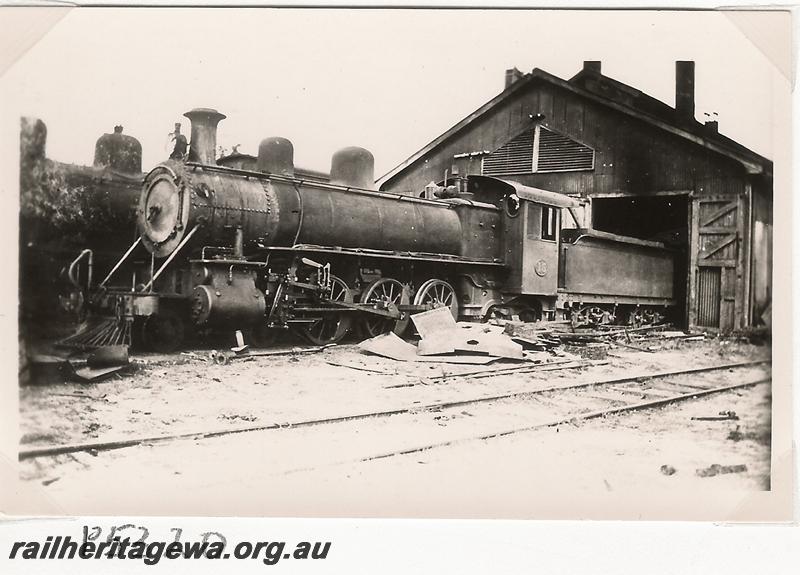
640 167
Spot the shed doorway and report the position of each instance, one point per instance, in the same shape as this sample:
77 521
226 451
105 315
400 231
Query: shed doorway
661 218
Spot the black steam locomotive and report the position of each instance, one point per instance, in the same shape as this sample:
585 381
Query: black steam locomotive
264 250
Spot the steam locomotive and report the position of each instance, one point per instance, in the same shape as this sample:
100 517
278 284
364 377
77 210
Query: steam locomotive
264 251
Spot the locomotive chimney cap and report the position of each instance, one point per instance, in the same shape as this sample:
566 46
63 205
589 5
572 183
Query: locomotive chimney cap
203 147
210 113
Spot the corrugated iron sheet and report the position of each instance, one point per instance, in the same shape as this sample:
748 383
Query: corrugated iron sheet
708 297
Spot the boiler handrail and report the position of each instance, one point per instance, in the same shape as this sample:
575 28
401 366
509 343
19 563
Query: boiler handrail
71 271
170 258
121 260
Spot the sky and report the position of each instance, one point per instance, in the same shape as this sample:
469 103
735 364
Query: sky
387 80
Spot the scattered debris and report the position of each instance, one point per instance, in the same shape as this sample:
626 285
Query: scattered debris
391 346
108 356
89 374
224 358
433 322
92 427
717 469
723 416
550 335
588 350
441 334
668 470
687 336
358 368
404 385
515 369
240 346
236 416
634 347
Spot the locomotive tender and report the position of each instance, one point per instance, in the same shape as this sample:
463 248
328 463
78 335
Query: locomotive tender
263 250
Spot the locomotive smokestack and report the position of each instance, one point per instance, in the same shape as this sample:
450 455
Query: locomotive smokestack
203 147
354 167
276 156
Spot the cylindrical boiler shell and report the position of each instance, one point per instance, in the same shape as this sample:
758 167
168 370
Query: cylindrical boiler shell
275 212
356 219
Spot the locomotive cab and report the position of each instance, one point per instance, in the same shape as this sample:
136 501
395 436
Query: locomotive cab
531 225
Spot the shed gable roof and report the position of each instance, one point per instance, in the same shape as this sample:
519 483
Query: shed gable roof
622 98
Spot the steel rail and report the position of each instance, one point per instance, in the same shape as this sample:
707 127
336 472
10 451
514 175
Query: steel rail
565 420
123 443
513 370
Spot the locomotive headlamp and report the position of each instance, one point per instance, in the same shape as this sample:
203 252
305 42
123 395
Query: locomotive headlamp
512 205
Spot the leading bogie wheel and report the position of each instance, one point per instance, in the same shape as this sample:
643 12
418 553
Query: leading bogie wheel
163 332
334 325
384 291
437 293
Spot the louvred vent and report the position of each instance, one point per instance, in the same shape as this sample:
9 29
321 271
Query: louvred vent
514 157
558 153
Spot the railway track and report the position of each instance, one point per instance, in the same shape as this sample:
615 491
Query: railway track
532 409
569 405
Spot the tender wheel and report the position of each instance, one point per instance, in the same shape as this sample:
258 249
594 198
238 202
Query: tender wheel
384 290
163 332
530 314
438 293
644 316
592 315
334 326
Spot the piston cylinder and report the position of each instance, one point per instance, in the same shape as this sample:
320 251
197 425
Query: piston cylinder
230 299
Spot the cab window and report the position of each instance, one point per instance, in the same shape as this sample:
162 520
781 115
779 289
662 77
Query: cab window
549 223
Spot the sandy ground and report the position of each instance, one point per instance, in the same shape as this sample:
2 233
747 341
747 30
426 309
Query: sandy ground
331 469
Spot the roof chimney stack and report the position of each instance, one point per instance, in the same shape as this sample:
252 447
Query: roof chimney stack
684 89
592 66
512 75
